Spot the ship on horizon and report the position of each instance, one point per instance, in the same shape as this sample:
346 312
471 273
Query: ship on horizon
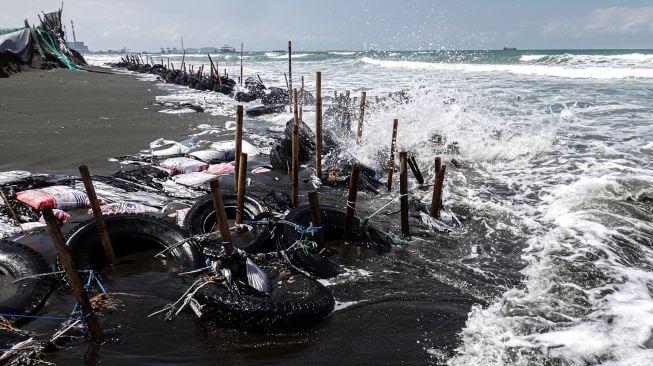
227 49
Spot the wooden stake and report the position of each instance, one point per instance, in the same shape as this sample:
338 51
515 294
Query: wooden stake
97 213
351 203
183 59
361 114
295 153
438 164
314 203
238 142
221 217
415 168
318 124
241 64
290 67
301 101
403 191
63 252
393 146
436 200
347 111
242 177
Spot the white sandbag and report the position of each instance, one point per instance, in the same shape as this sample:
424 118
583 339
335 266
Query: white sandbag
183 165
195 179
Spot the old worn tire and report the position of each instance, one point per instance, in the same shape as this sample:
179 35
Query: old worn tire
131 233
28 296
200 219
264 314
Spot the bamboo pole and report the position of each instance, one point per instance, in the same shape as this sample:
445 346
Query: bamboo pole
415 168
240 198
403 191
238 142
97 213
63 252
393 146
361 115
314 204
318 124
295 153
221 217
351 203
436 200
241 64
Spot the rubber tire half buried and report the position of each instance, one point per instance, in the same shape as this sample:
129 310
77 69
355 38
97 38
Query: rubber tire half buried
200 219
333 225
131 233
264 314
29 295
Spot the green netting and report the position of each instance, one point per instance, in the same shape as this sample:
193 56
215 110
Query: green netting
51 45
9 30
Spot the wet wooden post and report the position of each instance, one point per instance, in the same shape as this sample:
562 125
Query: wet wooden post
318 124
403 191
348 111
301 101
97 213
415 168
351 203
63 252
241 64
290 68
436 200
438 164
314 203
294 171
393 146
238 142
221 217
361 115
240 198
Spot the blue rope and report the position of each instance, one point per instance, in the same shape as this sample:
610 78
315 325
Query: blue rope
38 317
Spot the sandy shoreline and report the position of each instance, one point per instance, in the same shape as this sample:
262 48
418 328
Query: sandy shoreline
54 121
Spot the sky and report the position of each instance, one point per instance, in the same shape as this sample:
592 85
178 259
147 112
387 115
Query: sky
147 25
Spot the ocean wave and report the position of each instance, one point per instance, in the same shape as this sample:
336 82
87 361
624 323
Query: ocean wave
342 53
276 56
541 70
629 59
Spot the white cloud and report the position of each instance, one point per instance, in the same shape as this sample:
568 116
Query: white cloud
616 20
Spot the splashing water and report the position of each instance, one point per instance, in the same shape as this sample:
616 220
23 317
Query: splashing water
555 184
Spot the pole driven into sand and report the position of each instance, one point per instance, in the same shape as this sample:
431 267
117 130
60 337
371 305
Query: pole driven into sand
318 124
361 115
242 177
221 217
393 146
314 203
238 142
241 64
403 191
97 213
63 252
290 67
412 163
295 153
436 200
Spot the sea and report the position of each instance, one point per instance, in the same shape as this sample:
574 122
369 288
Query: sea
545 254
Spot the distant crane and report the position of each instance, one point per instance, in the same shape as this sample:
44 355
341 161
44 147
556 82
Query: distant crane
72 25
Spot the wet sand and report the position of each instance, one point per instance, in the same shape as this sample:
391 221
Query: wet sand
53 121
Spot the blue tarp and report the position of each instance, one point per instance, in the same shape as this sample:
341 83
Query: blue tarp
18 44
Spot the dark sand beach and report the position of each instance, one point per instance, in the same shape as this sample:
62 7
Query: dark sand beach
54 121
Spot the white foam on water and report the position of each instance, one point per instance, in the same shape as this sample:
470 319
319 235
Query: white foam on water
518 69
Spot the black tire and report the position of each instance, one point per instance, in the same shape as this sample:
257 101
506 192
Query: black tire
264 314
333 224
131 233
28 296
200 219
